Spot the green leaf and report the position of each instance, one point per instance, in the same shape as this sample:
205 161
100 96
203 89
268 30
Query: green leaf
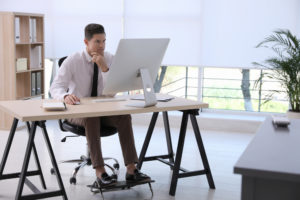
285 65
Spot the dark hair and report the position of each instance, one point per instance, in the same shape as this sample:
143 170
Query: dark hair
92 29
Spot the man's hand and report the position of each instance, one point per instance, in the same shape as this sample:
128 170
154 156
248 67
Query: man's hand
71 99
100 61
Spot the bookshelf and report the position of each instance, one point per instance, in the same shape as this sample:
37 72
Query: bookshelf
21 58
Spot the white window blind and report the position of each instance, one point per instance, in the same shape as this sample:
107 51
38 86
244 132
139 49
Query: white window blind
232 29
175 19
70 17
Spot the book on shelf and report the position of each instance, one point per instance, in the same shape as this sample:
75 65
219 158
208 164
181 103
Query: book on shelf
17 30
21 64
33 84
32 30
36 57
38 83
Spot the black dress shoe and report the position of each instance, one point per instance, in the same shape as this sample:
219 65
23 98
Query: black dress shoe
106 180
137 176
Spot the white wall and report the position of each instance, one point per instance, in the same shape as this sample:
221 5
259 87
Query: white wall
232 28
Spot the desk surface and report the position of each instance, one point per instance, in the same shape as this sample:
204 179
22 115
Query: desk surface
273 153
31 110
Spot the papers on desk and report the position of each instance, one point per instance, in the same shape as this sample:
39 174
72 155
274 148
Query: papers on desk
54 106
159 97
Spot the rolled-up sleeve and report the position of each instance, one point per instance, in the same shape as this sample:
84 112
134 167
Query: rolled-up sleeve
60 84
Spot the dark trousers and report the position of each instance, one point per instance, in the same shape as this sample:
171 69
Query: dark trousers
93 133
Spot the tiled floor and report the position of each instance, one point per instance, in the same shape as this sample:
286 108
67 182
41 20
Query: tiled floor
223 150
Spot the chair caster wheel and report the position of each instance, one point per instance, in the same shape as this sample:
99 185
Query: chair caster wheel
73 180
115 176
52 171
82 157
116 166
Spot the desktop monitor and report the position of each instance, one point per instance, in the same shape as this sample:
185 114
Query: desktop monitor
135 66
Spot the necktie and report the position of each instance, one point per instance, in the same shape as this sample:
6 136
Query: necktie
95 81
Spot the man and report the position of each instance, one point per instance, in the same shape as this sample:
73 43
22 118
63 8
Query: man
75 80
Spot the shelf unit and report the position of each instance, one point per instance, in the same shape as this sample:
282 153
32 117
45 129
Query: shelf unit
16 83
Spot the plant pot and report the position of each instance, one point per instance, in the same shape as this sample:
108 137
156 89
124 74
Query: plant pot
293 115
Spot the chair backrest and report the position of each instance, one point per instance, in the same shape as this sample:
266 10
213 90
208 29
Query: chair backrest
64 125
61 60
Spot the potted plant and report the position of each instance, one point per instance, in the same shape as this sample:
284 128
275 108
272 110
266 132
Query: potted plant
284 66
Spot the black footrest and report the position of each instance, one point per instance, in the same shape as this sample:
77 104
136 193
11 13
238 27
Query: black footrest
120 185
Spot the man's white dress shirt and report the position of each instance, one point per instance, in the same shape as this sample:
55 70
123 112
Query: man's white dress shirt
75 76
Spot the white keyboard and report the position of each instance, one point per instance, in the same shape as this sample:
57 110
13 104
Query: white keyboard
110 99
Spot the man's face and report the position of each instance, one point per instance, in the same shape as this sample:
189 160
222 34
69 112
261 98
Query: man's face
96 43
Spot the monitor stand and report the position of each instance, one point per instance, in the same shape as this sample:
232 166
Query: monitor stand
149 95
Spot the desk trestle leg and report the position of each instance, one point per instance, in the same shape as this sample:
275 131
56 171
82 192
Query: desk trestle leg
37 161
7 147
147 140
26 160
168 138
181 138
202 152
176 165
24 172
161 158
53 160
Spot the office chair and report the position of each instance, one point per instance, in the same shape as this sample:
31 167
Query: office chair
85 160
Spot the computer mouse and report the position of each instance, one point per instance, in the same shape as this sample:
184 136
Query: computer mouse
77 103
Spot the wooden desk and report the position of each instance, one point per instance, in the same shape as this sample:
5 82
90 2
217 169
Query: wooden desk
31 111
270 165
